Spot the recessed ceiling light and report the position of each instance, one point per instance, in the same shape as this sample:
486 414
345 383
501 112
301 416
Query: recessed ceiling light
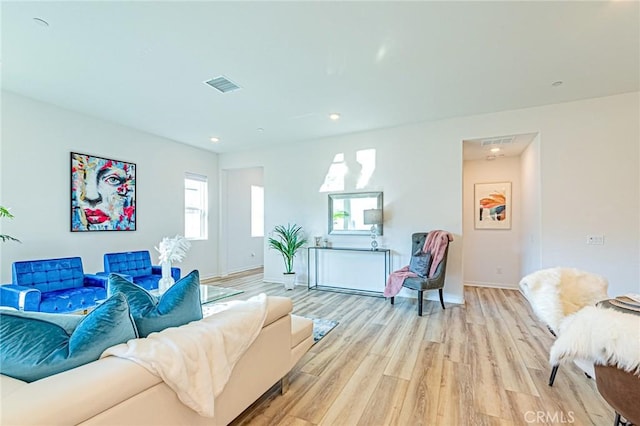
557 83
41 22
495 149
214 139
334 116
259 129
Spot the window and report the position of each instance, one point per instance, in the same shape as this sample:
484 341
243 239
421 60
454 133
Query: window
195 207
257 211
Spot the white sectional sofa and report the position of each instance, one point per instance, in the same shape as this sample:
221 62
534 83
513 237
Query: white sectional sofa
116 391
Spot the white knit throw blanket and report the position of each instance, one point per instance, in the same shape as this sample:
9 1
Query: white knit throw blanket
601 336
196 359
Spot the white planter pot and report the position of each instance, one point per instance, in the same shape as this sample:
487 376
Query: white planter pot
289 280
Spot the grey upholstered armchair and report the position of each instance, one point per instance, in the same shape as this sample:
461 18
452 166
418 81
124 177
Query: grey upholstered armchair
435 282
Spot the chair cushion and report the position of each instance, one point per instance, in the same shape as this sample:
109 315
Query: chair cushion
33 348
177 306
72 299
420 263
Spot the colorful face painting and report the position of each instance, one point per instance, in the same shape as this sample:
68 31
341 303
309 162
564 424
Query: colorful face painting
103 194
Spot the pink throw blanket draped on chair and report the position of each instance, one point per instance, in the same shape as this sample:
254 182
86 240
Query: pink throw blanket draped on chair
436 244
395 280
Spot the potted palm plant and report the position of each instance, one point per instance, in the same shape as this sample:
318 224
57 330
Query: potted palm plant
4 212
288 240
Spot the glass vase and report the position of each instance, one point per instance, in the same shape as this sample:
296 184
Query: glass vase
167 280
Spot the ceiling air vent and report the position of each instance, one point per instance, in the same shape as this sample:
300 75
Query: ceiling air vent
222 84
497 141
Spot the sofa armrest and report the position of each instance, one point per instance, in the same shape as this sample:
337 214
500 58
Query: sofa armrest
157 270
20 297
95 280
277 307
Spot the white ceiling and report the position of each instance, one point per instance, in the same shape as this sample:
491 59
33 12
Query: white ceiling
379 64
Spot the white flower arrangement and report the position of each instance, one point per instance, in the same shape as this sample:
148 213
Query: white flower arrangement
173 249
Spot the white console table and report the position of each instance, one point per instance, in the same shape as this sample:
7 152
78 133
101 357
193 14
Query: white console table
384 254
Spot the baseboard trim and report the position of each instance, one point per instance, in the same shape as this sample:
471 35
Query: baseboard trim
214 278
491 285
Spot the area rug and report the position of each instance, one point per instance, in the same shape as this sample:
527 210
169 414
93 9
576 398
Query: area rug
321 327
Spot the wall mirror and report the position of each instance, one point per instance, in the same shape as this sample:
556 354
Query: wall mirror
346 212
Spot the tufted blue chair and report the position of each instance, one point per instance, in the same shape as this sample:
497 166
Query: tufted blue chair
137 265
52 285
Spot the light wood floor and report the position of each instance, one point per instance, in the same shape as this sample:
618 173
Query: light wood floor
482 363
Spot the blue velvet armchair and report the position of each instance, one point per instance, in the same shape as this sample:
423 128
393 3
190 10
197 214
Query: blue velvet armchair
137 265
52 285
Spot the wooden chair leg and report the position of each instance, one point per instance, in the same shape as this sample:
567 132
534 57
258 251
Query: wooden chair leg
441 299
554 371
420 303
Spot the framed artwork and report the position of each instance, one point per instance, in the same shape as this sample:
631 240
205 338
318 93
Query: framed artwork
492 205
103 194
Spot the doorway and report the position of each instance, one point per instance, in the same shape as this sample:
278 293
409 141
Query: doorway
241 220
498 256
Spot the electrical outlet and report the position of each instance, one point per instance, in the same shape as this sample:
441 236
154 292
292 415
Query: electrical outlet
595 240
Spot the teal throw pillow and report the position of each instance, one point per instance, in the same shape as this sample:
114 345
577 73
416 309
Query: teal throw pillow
177 306
68 322
33 348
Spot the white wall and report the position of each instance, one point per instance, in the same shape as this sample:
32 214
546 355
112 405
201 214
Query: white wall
531 208
37 139
589 165
242 251
413 172
589 169
492 256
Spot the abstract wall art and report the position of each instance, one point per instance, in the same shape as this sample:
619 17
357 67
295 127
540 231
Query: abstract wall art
103 194
492 205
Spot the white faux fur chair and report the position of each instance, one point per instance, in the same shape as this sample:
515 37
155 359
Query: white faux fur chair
556 293
610 339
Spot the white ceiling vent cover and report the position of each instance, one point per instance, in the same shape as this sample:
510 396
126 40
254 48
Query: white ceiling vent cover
222 84
497 141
